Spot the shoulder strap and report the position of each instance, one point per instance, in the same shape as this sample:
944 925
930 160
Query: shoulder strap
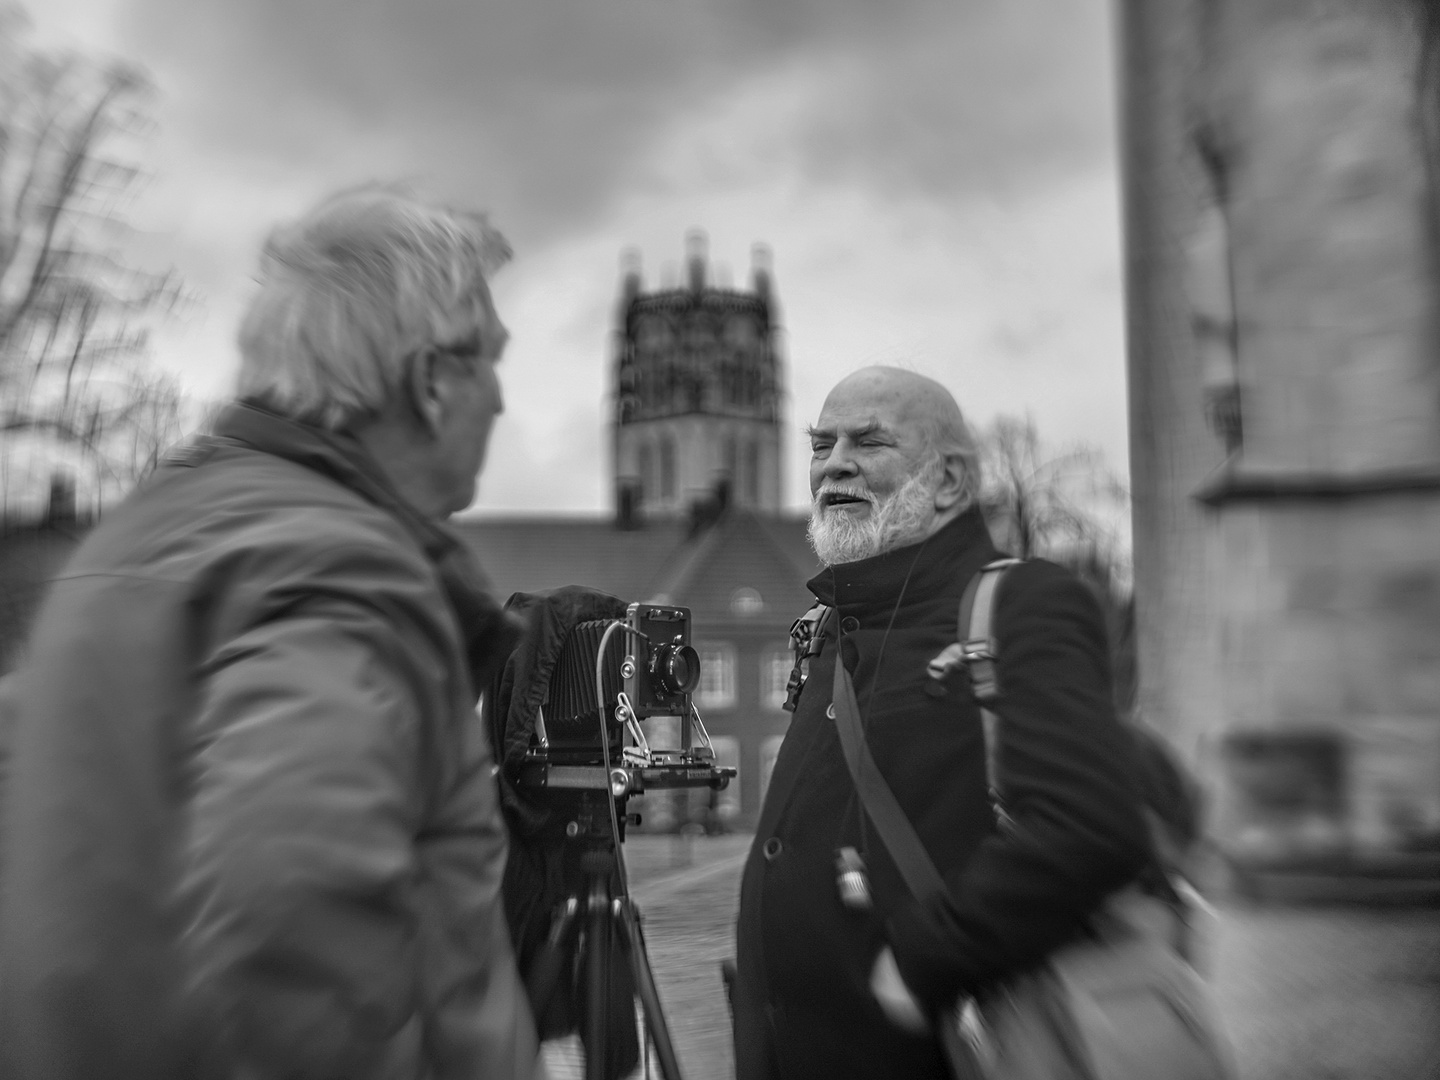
883 809
978 652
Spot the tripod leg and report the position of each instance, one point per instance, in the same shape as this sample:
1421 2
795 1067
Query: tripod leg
545 969
597 978
628 921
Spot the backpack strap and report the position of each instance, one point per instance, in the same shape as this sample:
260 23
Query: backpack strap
978 652
974 629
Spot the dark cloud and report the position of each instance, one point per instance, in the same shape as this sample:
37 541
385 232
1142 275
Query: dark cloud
548 107
998 100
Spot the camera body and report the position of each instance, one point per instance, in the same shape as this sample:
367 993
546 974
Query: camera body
649 660
661 668
584 732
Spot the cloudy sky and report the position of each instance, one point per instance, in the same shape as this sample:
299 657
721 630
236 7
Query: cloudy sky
936 179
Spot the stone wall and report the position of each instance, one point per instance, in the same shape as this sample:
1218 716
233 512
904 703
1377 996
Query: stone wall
1332 629
1282 238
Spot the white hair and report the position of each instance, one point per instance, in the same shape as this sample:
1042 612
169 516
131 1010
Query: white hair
350 291
900 519
949 436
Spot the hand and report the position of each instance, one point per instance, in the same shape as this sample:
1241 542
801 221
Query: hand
895 998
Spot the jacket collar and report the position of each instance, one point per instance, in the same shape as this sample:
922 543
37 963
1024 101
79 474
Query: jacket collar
334 454
489 632
922 570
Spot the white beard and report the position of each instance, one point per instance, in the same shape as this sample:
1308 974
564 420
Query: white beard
904 518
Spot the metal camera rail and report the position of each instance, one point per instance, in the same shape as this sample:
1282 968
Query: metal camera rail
624 780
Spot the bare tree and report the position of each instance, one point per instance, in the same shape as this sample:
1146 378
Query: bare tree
1061 505
73 312
1041 501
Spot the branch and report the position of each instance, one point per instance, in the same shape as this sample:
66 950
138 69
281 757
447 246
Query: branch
76 153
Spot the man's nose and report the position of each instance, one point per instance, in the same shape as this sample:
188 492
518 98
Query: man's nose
839 463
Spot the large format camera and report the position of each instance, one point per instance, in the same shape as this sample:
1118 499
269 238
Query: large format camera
611 675
569 715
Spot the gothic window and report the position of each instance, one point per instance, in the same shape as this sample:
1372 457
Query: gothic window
652 335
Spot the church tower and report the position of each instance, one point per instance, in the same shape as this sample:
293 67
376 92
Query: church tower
697 393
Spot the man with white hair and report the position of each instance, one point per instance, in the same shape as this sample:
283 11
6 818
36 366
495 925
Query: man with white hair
253 826
828 988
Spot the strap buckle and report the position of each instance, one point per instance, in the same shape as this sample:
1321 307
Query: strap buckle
978 655
806 635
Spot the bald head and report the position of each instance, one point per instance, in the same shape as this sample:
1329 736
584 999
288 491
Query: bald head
892 462
912 398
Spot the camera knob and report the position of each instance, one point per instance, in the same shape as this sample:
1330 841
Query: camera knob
619 783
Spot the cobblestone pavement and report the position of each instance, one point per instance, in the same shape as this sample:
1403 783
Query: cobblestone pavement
1306 993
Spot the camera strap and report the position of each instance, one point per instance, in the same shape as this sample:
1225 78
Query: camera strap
807 634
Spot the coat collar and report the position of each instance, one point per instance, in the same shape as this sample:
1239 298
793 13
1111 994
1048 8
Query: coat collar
922 570
489 632
334 454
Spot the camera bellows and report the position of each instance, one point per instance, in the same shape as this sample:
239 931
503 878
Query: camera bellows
571 718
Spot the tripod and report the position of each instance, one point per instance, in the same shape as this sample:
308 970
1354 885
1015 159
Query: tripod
592 941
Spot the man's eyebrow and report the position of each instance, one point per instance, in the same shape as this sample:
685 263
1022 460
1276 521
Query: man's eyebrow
860 431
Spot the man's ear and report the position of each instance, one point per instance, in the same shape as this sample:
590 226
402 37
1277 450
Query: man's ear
954 482
423 392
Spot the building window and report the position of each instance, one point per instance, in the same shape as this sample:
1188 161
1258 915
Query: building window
727 753
776 664
717 676
667 467
746 601
769 750
647 474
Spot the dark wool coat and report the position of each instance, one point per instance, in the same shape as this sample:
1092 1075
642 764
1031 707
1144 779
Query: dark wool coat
252 826
803 1006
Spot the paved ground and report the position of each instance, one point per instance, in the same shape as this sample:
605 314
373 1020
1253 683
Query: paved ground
1307 993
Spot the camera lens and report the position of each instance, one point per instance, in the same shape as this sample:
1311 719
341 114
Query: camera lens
676 668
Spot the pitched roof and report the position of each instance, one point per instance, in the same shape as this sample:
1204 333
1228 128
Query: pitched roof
535 553
740 551
701 571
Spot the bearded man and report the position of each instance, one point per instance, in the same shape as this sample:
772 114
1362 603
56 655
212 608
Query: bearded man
824 990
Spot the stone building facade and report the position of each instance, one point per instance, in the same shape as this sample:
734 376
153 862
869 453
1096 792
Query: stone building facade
1283 304
697 392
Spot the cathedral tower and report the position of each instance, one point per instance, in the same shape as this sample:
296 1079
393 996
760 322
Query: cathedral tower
697 393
